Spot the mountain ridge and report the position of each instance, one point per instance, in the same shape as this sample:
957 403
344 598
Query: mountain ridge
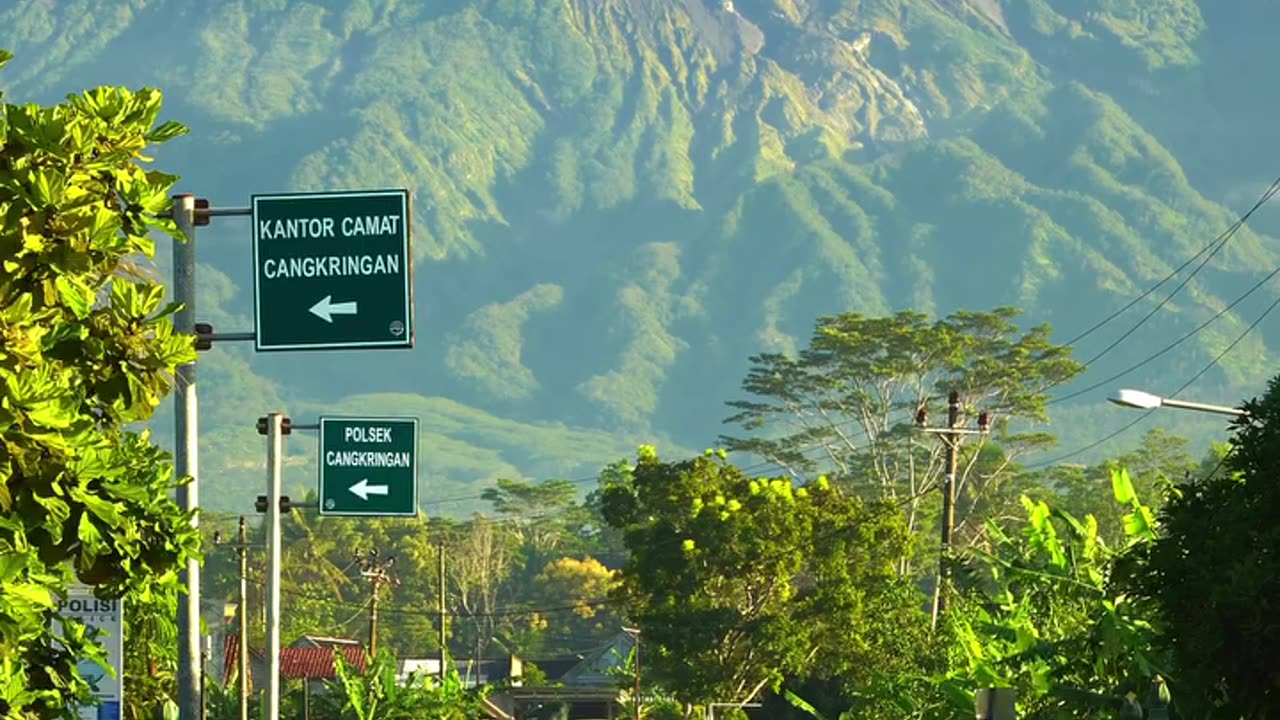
618 201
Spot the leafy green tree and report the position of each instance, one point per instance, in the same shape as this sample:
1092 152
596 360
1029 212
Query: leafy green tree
87 350
574 593
1213 570
846 403
1039 611
737 583
151 654
602 540
542 515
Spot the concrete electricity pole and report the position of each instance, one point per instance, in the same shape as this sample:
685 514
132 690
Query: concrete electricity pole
950 435
444 632
242 660
188 212
374 568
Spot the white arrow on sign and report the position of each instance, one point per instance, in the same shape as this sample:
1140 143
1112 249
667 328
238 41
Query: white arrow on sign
326 308
364 489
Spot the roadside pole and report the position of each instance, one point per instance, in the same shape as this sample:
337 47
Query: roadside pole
444 629
275 434
243 550
951 435
952 440
371 296
186 455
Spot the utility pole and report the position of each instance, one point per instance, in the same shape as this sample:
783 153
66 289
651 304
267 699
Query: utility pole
950 435
375 569
206 655
444 634
242 654
186 454
948 504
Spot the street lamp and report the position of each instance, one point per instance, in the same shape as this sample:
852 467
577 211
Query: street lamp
1146 401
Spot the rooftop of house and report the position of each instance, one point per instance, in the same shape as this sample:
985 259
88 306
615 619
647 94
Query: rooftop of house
305 661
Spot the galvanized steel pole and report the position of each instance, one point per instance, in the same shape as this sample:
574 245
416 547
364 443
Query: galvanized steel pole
275 468
186 454
243 550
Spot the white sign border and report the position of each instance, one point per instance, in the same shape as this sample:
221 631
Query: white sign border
366 419
406 343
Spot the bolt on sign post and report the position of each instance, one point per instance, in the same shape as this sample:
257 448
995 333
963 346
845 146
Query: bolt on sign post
332 270
368 466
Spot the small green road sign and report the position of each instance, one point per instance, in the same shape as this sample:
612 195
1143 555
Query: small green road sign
332 270
368 466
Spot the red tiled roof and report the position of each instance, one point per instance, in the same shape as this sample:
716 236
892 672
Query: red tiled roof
231 656
315 663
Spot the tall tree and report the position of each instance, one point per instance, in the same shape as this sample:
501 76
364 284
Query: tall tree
846 403
87 350
479 561
738 582
1213 571
576 613
540 514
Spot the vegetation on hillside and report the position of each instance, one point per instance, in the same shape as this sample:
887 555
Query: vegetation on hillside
619 202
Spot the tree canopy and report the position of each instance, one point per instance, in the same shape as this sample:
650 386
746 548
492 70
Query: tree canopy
87 350
846 403
738 582
1214 567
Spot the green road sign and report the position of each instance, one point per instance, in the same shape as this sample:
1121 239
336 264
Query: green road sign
332 270
368 466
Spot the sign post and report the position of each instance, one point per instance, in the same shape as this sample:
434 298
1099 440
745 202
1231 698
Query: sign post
108 617
332 270
368 466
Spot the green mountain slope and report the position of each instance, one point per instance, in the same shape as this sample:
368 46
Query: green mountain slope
618 201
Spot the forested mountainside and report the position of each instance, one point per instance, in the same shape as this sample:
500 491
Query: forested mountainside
617 202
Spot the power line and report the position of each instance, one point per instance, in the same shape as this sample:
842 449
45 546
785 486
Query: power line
526 611
1212 363
514 611
1224 239
1215 245
1173 344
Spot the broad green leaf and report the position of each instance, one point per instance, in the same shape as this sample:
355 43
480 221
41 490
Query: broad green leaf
75 295
30 593
801 704
90 538
166 132
1122 486
11 564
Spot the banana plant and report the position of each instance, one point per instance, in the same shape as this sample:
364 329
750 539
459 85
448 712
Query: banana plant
377 694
